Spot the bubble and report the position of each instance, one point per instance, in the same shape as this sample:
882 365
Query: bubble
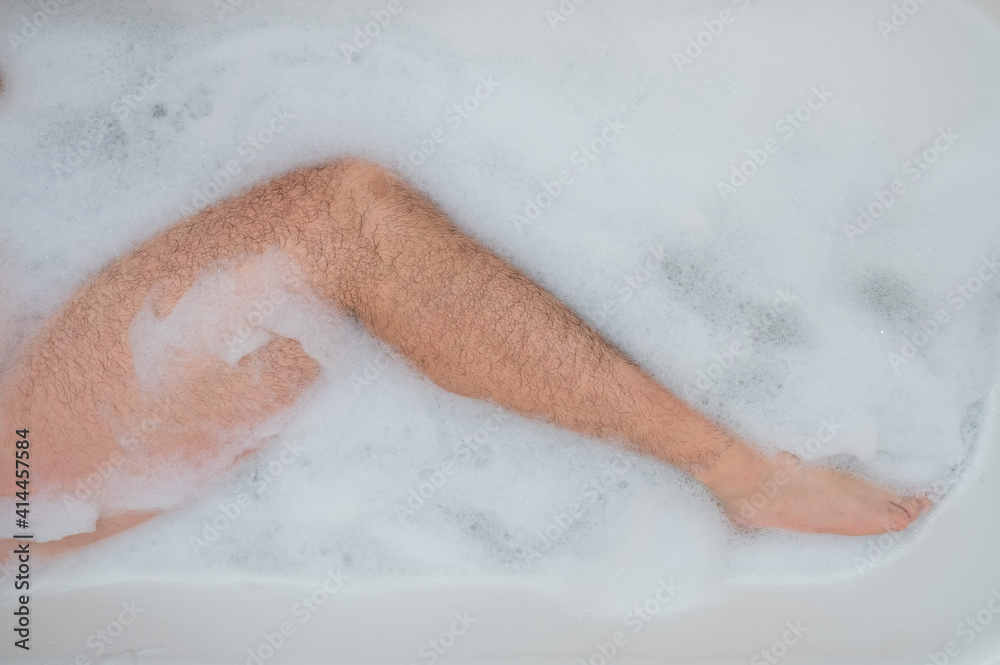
380 470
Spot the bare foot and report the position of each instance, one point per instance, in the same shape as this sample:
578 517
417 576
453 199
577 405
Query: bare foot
785 493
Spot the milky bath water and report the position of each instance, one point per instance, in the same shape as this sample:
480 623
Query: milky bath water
785 212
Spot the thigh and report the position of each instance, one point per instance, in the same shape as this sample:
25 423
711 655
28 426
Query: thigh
74 384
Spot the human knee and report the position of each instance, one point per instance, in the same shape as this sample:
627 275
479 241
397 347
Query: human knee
362 205
332 198
357 181
359 172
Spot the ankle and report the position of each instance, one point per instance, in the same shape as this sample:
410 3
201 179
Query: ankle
736 471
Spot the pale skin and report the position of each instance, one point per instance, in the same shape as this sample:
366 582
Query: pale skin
368 244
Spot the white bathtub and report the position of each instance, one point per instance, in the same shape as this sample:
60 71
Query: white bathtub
935 604
920 602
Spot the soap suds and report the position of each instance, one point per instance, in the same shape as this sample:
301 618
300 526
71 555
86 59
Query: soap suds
597 166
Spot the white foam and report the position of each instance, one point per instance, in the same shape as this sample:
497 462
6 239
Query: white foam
374 428
53 518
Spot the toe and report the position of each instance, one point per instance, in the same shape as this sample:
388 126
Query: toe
897 517
913 506
787 461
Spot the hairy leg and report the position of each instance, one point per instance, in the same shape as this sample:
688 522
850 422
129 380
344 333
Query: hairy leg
481 328
369 243
74 384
